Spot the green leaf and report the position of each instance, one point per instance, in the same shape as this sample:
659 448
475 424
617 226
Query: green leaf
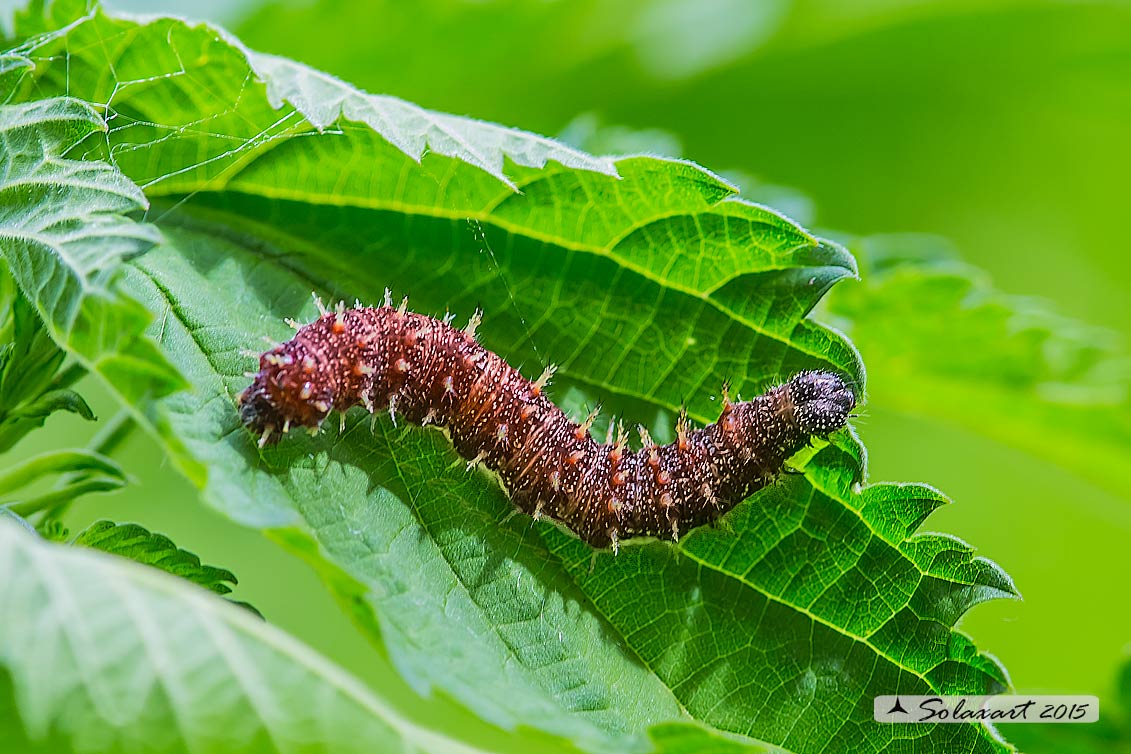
650 289
31 385
55 400
64 236
324 101
83 471
143 546
66 493
797 105
112 657
565 686
13 67
943 342
30 358
53 530
238 131
56 462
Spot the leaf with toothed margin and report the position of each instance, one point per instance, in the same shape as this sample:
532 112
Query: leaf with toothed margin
143 662
137 543
65 234
650 289
950 578
323 100
1005 366
293 100
944 560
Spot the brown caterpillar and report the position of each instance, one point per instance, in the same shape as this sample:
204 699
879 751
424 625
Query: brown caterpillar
431 373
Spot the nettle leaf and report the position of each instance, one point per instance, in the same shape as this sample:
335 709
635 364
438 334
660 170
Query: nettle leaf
33 381
143 546
73 461
64 233
110 656
651 283
1004 366
324 100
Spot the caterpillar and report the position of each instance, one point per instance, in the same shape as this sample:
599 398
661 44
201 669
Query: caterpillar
430 373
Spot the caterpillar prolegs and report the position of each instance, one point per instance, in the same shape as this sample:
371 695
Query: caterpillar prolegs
427 372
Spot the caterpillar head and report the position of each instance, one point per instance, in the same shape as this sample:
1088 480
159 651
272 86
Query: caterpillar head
822 402
288 391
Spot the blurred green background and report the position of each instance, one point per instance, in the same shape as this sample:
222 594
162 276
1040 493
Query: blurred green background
1002 126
